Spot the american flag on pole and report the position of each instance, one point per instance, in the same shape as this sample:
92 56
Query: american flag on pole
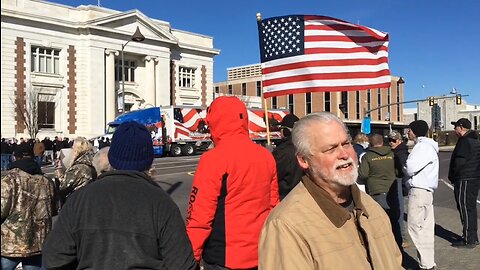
304 53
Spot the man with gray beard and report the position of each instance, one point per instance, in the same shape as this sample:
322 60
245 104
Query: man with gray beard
326 222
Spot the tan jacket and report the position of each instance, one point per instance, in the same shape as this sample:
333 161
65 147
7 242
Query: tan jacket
38 148
308 230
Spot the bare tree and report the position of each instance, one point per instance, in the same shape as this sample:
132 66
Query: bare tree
29 113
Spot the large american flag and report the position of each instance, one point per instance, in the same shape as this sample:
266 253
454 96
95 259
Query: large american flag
301 54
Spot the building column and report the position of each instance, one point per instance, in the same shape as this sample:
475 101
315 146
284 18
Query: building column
150 81
157 82
162 82
110 91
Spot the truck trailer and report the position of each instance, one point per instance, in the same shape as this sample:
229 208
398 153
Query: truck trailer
182 130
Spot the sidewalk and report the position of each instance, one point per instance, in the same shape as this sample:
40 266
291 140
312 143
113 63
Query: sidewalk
447 228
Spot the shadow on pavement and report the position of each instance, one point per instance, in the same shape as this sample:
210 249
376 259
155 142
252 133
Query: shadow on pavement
172 187
408 262
446 234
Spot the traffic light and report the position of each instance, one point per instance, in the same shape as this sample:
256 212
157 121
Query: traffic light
431 101
458 99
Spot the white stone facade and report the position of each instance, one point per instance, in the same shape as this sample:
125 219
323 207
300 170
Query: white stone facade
83 45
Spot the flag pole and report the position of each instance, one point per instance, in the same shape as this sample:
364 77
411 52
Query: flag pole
267 124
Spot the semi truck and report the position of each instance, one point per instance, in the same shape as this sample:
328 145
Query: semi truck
182 130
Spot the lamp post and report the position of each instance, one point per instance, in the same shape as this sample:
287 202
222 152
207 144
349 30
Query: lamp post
138 37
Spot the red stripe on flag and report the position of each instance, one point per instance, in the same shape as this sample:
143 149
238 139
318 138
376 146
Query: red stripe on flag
325 89
341 39
326 76
324 63
347 50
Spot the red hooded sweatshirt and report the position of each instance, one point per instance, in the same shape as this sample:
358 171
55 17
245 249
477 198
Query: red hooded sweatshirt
234 189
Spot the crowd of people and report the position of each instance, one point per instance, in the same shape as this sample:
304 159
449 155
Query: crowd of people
298 207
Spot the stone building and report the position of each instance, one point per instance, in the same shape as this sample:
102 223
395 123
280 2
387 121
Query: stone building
64 63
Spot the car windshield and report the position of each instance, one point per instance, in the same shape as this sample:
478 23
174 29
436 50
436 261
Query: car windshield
111 129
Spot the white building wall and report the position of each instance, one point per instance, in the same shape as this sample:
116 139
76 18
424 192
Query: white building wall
7 84
92 30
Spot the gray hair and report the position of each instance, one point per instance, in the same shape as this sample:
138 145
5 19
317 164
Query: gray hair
301 133
100 161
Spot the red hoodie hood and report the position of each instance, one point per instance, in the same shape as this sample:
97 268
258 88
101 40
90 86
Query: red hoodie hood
227 117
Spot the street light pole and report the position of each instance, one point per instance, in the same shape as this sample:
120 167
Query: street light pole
138 37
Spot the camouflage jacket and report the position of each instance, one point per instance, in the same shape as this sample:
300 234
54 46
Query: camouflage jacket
27 204
80 173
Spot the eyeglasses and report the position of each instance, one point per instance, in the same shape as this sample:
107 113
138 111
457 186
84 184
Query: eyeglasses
392 140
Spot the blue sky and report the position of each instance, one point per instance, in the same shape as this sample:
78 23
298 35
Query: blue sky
433 43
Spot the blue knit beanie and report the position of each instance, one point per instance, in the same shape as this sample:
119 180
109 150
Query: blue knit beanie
131 148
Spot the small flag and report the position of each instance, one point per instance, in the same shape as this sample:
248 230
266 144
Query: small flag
304 53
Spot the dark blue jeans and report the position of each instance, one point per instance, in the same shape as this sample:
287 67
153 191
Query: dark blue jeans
207 266
6 160
28 263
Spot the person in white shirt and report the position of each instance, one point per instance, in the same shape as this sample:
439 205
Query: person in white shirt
422 169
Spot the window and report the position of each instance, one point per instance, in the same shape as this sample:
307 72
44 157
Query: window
369 100
274 103
45 60
129 70
187 77
345 103
291 104
217 89
357 103
327 101
379 98
46 111
244 89
259 88
389 101
230 89
308 102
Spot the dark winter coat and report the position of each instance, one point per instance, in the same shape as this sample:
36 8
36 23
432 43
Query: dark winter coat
27 165
289 172
48 144
401 155
465 160
122 221
6 148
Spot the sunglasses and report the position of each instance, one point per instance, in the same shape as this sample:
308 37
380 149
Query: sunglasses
392 140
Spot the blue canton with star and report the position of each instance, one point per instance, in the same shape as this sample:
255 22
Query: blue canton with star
281 37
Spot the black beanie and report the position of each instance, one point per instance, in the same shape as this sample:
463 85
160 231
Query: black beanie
419 128
131 148
289 120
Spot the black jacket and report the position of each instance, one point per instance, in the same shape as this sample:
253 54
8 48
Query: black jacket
401 156
465 160
26 164
289 172
121 221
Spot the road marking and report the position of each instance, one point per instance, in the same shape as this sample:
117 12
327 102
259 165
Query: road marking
169 163
160 175
451 187
173 167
